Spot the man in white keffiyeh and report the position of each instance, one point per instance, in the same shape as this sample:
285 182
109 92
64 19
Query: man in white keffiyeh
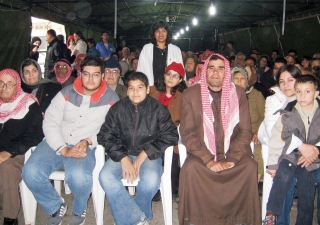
218 181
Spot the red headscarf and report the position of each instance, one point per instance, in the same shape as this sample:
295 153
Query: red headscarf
19 104
229 107
69 70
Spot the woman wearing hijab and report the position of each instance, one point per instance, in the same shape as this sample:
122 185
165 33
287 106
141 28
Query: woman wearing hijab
156 55
62 70
20 129
256 108
34 46
32 82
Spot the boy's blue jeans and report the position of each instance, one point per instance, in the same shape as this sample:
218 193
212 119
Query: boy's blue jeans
318 200
127 209
78 175
284 218
282 182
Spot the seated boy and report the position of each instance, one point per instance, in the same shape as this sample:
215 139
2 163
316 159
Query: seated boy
300 118
136 132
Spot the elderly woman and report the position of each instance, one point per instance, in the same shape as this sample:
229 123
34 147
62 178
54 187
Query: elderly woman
112 73
62 70
20 129
32 82
256 108
156 55
190 67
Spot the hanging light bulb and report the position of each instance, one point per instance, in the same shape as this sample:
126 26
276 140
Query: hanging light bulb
212 9
175 37
187 28
178 34
195 21
182 31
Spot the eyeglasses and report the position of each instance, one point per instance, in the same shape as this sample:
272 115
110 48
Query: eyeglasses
93 75
9 85
175 76
61 66
113 72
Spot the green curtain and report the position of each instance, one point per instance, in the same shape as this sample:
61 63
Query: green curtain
14 44
301 35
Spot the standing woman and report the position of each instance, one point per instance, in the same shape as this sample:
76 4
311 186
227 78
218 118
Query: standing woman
35 43
168 91
20 129
81 45
158 54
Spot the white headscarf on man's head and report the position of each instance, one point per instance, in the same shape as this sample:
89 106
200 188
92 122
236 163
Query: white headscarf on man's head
229 107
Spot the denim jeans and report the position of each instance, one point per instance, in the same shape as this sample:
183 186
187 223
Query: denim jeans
127 209
78 175
282 182
318 200
284 218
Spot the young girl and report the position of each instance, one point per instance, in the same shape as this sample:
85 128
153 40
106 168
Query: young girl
168 90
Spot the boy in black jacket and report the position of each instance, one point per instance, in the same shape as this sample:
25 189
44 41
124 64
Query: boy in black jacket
136 132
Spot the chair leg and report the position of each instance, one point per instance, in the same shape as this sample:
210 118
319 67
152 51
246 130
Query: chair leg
57 186
29 204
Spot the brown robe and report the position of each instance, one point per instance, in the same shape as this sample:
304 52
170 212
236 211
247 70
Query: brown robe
217 198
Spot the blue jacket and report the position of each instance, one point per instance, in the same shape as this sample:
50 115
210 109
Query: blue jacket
103 51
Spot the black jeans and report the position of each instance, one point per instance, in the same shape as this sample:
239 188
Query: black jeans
282 182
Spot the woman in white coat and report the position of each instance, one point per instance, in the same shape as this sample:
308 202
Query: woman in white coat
283 94
158 54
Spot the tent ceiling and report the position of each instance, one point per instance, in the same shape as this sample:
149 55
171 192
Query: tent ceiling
135 17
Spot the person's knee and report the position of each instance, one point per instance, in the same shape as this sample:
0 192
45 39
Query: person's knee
32 174
78 178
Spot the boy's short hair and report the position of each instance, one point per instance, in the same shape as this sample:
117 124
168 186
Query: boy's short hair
92 61
308 78
137 76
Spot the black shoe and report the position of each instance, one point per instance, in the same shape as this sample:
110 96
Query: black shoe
157 197
8 221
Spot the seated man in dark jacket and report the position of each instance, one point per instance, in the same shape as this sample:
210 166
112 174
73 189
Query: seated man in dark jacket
136 132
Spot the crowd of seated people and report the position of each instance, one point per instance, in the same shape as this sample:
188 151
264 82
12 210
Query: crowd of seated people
134 101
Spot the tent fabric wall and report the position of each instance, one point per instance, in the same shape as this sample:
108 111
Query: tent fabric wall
301 35
14 44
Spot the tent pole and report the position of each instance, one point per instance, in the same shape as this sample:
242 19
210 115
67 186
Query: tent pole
279 42
283 16
115 19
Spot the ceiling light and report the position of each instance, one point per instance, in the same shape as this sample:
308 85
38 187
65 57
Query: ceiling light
155 3
187 28
195 21
212 9
175 37
178 34
182 31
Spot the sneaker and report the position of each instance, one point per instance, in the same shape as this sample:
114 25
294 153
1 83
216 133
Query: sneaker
77 219
270 219
56 218
157 197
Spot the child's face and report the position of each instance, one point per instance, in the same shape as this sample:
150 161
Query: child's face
137 91
306 93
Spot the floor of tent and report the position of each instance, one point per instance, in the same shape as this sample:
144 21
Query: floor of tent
108 219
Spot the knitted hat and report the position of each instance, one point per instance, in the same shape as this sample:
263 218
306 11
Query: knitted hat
241 70
112 63
176 67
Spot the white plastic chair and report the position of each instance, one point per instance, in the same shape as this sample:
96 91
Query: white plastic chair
267 181
165 187
29 203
